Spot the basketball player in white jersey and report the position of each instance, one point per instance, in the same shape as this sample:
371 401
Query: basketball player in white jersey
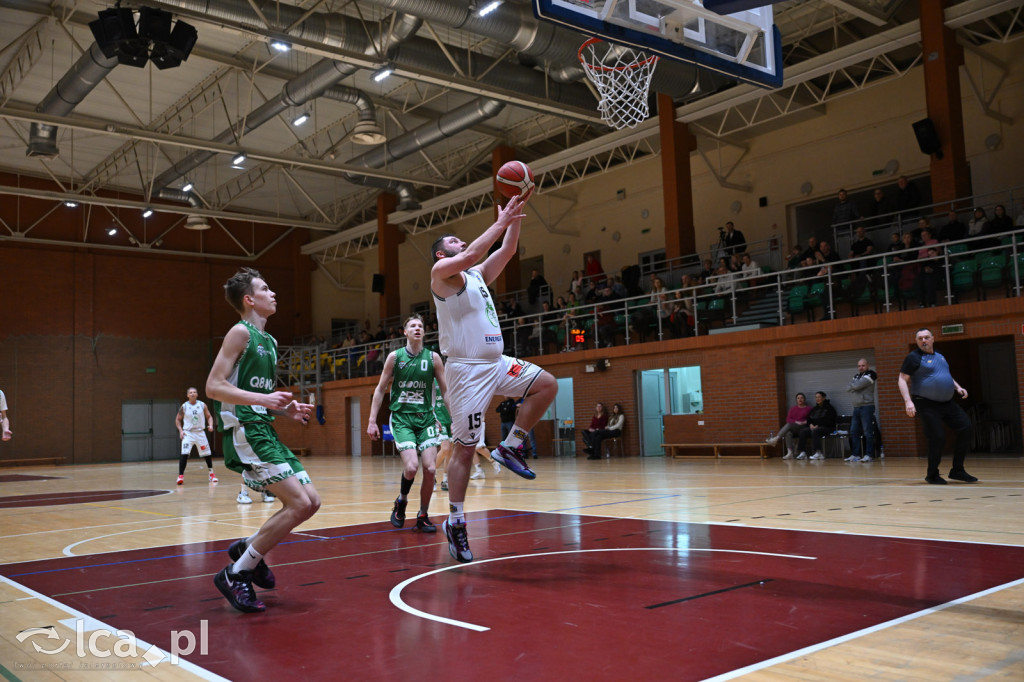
476 370
192 416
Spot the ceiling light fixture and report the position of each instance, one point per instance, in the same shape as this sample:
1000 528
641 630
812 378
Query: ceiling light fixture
187 187
238 160
382 73
280 45
301 118
112 231
71 204
488 8
148 212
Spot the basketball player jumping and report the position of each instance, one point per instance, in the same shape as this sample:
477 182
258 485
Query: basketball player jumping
243 378
476 370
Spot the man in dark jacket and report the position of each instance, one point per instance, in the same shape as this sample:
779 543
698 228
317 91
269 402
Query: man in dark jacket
507 413
821 421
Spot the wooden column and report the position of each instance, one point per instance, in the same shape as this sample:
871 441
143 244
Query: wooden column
509 279
943 57
676 144
388 239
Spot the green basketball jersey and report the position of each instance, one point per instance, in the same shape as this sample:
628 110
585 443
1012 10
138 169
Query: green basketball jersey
440 409
256 371
413 381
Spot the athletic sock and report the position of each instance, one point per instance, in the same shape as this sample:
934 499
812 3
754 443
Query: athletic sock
514 438
455 513
182 463
406 487
248 561
209 463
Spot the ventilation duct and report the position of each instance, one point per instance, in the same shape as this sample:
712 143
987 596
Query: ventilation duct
192 222
310 84
366 130
429 133
73 87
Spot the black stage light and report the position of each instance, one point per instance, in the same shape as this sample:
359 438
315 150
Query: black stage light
154 24
115 26
177 49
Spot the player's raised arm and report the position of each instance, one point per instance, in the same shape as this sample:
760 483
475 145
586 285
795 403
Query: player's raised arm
465 257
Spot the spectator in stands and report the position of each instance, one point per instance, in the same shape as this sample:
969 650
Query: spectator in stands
707 271
845 212
618 288
616 422
953 230
733 239
906 272
381 335
925 239
607 326
1000 222
812 249
723 281
536 287
726 263
682 317
821 421
862 386
826 257
976 226
862 244
880 206
908 198
796 419
794 258
592 269
929 276
507 412
895 242
597 422
1020 217
576 283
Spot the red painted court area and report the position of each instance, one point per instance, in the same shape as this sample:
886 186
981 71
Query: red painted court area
553 597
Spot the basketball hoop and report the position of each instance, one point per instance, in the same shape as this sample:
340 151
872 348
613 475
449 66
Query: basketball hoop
622 76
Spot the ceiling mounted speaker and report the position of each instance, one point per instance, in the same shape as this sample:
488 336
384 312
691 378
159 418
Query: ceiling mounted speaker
115 26
155 24
928 137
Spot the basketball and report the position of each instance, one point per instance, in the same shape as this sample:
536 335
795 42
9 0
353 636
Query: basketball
515 179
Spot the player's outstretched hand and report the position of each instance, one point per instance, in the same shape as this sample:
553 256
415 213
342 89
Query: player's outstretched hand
512 210
300 412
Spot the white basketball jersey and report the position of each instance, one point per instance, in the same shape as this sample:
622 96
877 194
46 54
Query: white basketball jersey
468 323
192 417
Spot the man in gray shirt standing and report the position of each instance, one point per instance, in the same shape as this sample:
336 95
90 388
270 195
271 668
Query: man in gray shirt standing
928 389
862 386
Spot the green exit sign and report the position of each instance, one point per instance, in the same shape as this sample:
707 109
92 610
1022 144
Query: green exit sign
948 329
151 370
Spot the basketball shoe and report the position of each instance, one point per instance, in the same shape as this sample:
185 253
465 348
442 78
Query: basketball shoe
423 523
181 480
262 576
243 497
237 589
458 541
513 461
268 497
213 477
398 513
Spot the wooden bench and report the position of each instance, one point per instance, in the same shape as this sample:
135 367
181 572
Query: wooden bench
41 461
673 450
301 452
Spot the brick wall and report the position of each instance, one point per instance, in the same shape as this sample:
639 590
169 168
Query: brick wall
742 375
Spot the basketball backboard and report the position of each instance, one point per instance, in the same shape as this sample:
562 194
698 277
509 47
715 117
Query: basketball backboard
744 44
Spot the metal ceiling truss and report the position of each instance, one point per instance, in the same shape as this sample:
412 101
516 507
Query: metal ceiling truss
29 50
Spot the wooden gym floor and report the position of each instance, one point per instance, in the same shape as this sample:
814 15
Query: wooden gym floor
600 570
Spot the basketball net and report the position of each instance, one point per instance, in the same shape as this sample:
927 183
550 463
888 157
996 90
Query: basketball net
622 76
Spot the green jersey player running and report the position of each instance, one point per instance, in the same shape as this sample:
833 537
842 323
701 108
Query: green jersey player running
409 374
243 378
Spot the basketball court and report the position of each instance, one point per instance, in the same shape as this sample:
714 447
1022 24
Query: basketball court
632 569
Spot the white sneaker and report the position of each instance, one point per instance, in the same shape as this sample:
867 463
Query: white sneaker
268 497
772 441
497 467
866 458
817 455
852 458
477 473
213 477
243 498
802 455
789 455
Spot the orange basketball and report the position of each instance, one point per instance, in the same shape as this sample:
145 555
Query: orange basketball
515 179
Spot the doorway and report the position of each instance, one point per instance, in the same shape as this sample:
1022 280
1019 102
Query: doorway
148 432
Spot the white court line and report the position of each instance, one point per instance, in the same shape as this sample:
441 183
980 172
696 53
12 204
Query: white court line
859 633
196 670
396 591
67 550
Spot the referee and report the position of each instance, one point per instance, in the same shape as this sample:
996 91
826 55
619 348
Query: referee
928 388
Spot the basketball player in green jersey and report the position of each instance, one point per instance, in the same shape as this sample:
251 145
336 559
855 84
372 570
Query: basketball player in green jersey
243 378
410 372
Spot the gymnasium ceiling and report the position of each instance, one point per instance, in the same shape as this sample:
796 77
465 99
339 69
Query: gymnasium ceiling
144 132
